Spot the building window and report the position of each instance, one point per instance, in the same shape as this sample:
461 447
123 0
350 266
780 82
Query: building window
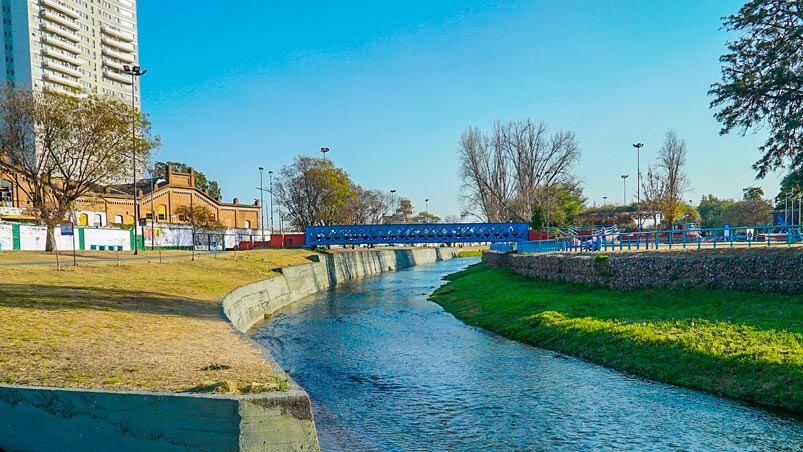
118 219
161 212
248 224
6 198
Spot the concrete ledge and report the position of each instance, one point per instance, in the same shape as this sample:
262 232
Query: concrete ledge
47 419
248 305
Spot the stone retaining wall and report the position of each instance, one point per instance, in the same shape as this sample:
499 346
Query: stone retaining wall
766 270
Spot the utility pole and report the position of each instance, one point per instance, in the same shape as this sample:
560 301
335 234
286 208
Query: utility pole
261 206
624 189
270 187
135 72
638 147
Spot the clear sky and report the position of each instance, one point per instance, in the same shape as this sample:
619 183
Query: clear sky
390 86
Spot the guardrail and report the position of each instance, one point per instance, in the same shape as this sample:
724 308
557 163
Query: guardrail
697 238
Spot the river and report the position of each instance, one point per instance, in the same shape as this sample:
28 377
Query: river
388 370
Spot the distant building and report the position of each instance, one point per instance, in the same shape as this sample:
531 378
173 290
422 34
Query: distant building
71 46
158 200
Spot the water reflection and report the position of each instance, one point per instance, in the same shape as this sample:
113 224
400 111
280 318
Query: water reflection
388 370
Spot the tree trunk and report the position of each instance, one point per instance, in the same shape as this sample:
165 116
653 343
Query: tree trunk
50 241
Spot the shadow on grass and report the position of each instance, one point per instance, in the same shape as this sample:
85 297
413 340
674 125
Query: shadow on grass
45 297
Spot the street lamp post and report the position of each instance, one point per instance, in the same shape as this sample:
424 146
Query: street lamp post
638 147
426 208
135 72
392 203
324 151
270 187
624 189
261 206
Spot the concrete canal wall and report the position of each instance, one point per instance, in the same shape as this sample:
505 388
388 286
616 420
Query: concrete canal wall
49 419
766 270
33 418
247 305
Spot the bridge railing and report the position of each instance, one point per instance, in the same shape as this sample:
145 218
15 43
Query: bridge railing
696 238
411 234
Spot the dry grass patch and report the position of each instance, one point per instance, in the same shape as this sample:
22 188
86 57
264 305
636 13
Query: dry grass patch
139 325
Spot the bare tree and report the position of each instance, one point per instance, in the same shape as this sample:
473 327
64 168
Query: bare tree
671 166
59 148
508 175
653 191
484 171
369 206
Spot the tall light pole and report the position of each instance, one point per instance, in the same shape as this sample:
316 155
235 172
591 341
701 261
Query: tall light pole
392 203
426 208
261 206
604 200
638 147
624 189
135 72
270 187
324 151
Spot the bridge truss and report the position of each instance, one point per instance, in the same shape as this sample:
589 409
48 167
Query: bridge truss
409 234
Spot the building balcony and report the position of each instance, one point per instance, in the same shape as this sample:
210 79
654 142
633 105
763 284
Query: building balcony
64 69
61 55
112 64
117 34
124 46
62 80
125 57
65 33
122 78
60 7
56 18
68 46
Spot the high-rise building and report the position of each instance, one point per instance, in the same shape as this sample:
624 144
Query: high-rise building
70 46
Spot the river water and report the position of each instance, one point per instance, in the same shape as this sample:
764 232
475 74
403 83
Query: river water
388 370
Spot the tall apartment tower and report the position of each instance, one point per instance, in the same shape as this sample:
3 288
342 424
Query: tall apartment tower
71 46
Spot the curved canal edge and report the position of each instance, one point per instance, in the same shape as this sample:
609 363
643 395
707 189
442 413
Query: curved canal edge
735 344
80 419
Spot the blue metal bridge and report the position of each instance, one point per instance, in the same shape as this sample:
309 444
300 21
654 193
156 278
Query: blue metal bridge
408 234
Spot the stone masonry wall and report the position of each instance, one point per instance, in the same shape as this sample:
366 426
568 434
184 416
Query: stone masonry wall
766 270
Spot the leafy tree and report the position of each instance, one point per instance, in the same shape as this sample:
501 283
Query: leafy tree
749 212
762 80
749 193
713 210
538 220
315 192
59 148
201 181
426 217
792 185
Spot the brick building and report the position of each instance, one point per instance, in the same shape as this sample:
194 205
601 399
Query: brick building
114 205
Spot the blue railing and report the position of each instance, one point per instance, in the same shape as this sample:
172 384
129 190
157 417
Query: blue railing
408 234
698 238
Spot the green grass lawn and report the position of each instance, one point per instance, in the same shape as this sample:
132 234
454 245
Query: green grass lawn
745 345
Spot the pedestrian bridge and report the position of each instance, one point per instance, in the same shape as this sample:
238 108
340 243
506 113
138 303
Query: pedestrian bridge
410 234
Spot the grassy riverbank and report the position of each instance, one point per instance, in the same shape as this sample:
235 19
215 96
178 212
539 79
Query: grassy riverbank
742 345
136 325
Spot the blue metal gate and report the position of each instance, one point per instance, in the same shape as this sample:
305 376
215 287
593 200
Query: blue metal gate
408 234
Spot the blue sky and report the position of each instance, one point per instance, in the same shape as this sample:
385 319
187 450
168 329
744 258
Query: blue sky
390 86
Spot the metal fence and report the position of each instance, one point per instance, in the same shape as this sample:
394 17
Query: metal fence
698 238
414 234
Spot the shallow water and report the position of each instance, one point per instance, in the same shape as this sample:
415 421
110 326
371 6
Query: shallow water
388 370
